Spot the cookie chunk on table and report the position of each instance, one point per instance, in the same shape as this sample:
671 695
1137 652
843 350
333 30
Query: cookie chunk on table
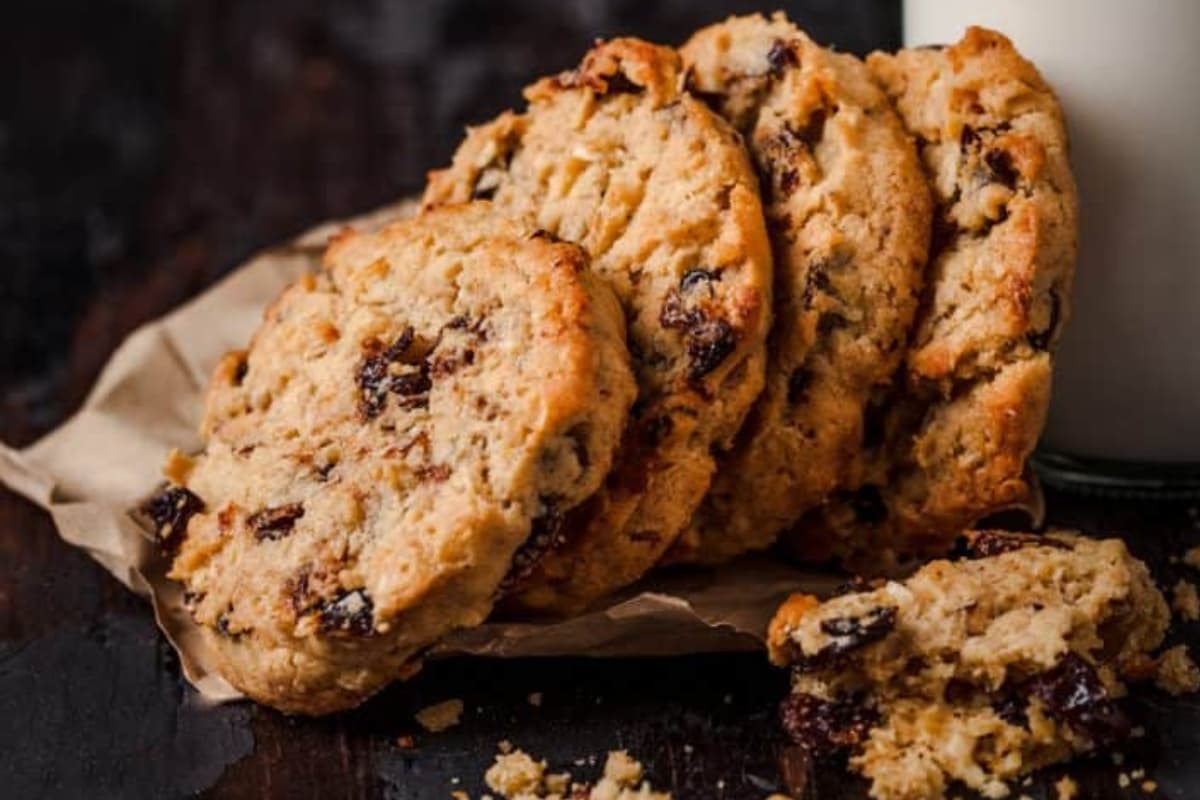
977 670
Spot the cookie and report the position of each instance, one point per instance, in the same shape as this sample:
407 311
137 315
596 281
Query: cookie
978 670
401 426
618 158
949 447
848 211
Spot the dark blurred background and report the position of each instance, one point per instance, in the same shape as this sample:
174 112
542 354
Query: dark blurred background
149 146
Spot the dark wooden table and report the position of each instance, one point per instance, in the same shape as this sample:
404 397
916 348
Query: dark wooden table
146 147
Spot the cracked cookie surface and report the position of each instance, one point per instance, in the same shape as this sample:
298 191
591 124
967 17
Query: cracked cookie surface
848 212
954 436
977 670
399 427
617 157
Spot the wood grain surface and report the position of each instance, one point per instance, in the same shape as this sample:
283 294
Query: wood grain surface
148 146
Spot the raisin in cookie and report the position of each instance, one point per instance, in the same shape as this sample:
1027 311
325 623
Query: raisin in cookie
977 670
952 442
848 211
617 157
376 458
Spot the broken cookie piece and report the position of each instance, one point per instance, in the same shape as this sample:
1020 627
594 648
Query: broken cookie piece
973 671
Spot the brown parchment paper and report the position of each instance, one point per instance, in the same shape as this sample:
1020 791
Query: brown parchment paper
100 464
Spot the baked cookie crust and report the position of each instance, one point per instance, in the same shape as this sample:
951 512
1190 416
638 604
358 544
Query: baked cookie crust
950 445
848 211
617 157
400 426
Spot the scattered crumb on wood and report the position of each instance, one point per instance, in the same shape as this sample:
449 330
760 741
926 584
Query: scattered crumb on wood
516 775
558 782
1177 673
440 716
1067 788
535 699
1186 601
405 742
1192 558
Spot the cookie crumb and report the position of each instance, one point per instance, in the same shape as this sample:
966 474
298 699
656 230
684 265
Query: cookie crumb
1177 673
1123 781
514 774
1192 558
504 746
1149 786
405 742
558 783
1067 788
1185 601
459 794
440 716
535 699
621 769
517 776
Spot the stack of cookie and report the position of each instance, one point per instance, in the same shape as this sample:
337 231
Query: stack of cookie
684 304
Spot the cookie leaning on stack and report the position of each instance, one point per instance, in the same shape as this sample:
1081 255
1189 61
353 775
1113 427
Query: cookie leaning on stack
954 437
617 157
848 210
376 458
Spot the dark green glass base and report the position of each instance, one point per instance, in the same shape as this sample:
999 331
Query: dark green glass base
1111 478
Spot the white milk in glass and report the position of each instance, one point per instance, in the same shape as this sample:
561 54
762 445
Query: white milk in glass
1127 379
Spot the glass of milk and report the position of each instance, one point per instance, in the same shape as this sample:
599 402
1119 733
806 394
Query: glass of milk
1126 410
